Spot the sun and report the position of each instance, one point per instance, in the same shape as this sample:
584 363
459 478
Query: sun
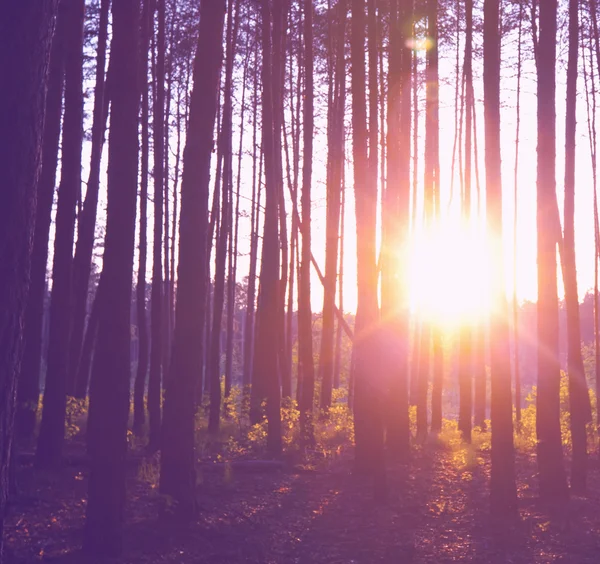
449 274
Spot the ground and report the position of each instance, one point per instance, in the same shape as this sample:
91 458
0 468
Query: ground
436 512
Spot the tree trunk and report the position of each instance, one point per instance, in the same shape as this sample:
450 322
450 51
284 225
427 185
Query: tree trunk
111 372
578 392
51 437
26 30
395 221
466 333
265 354
305 352
223 232
553 480
335 167
254 215
177 475
29 379
156 310
84 366
368 421
502 482
86 222
139 410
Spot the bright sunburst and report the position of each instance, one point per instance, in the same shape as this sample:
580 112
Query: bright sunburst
449 273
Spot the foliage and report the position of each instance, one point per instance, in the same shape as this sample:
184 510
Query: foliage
77 410
526 438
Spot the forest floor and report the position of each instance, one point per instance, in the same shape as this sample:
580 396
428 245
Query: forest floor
437 511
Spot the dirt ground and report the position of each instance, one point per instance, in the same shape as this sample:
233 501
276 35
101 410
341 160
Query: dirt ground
436 512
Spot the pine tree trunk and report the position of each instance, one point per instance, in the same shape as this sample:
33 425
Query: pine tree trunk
51 437
84 366
254 214
578 392
178 477
305 352
111 373
29 379
553 480
335 166
466 331
157 307
139 410
368 423
26 30
86 222
265 354
396 210
502 482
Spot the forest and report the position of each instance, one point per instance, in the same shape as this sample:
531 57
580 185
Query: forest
299 281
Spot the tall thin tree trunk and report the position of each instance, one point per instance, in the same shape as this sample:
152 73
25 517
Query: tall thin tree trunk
305 352
254 215
265 354
86 222
29 380
52 428
224 229
26 31
515 302
111 374
578 392
139 411
368 418
466 331
502 482
553 479
157 308
177 472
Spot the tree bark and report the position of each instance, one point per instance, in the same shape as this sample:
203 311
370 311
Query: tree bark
553 480
368 421
305 349
26 30
139 410
265 354
157 308
51 437
502 482
177 474
111 372
86 222
29 379
578 392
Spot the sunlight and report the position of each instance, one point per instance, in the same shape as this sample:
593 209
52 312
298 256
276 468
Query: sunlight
449 274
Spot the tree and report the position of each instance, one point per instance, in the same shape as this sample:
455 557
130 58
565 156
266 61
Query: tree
335 164
139 411
266 355
305 354
109 394
156 313
368 422
26 30
553 480
86 222
29 379
466 333
578 392
52 427
177 472
223 232
503 490
395 220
